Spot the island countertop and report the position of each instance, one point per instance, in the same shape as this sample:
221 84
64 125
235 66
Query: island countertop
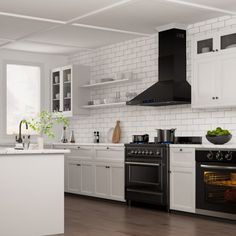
12 151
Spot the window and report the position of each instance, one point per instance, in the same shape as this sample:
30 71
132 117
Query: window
23 94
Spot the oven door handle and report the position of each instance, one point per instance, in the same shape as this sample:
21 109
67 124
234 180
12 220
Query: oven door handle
142 164
218 167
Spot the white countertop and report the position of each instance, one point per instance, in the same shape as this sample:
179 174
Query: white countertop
12 151
205 146
90 144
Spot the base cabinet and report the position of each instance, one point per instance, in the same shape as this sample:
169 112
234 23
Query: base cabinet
109 181
87 176
182 179
182 189
101 180
97 172
117 182
74 174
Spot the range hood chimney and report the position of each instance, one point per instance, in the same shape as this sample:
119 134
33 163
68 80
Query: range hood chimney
172 87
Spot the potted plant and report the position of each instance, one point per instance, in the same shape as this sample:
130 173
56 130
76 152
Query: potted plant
44 123
218 136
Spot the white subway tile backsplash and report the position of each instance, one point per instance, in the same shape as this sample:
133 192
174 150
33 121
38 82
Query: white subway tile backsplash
140 56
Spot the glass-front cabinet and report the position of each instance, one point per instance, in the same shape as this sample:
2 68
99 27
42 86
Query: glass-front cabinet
67 95
224 41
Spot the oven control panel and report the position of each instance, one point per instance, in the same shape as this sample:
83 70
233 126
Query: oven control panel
216 156
144 152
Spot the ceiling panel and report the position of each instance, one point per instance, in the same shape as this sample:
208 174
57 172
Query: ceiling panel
12 28
2 41
41 48
144 16
223 4
53 9
81 37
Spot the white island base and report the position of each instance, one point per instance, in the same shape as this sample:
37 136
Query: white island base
32 192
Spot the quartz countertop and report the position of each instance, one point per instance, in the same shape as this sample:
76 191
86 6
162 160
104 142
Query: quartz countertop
205 146
12 151
90 144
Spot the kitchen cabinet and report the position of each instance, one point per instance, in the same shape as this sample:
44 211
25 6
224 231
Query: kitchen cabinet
67 95
109 181
214 43
182 179
95 171
74 176
87 177
214 72
101 180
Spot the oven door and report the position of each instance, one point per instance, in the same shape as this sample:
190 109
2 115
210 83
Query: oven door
216 187
143 177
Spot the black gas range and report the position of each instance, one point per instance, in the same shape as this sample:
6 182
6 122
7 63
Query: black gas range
147 171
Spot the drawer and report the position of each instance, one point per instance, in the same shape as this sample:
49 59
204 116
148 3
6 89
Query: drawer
109 152
182 157
80 151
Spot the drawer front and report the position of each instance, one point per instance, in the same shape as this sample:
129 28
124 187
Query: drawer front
78 151
112 153
182 157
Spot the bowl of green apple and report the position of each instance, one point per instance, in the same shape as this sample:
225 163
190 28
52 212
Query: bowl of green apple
218 136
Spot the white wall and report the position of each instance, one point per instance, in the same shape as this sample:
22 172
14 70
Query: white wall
46 61
141 57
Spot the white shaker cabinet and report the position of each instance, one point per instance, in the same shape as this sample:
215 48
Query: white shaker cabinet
101 180
73 177
95 170
213 70
182 179
67 95
87 178
109 181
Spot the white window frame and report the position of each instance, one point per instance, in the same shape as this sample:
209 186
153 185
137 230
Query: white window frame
3 111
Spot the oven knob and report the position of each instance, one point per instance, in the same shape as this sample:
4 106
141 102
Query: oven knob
209 155
139 152
150 153
219 156
228 156
158 153
147 152
135 152
132 152
143 152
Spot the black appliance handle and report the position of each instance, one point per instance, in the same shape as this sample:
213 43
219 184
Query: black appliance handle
219 167
142 164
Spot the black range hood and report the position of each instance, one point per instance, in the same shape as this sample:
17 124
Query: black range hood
172 87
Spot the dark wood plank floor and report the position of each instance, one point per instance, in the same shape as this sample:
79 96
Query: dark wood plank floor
92 217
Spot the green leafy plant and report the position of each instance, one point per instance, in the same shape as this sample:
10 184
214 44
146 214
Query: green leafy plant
218 132
45 121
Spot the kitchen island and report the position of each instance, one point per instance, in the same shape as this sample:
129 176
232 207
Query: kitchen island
32 192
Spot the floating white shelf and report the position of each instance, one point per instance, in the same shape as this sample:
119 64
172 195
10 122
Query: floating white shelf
104 83
105 105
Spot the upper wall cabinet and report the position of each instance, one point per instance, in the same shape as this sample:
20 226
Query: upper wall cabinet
214 70
67 95
215 43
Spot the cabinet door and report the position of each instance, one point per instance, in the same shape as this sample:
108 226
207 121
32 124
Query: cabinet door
205 77
204 46
74 177
101 180
87 178
182 157
227 84
66 77
56 90
227 41
182 189
117 182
